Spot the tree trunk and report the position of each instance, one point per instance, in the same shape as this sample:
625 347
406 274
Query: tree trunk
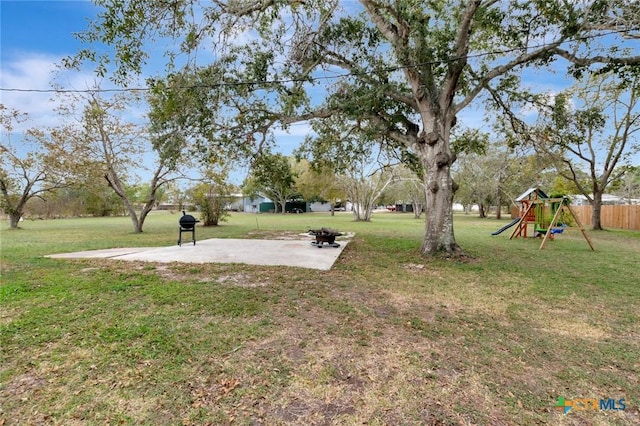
417 209
499 205
143 214
481 212
116 185
596 209
14 219
439 237
435 154
137 226
151 201
361 213
15 210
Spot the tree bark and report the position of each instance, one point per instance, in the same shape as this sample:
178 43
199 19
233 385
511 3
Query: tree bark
499 205
439 237
481 210
417 209
362 212
596 210
116 185
439 187
434 150
14 219
146 209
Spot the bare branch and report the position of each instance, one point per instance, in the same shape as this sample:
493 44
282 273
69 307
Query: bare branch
586 61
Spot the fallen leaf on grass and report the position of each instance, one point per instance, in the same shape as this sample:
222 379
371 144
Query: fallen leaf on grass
229 385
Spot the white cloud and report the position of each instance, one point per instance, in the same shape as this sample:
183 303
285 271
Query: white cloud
530 111
288 140
300 129
30 72
30 82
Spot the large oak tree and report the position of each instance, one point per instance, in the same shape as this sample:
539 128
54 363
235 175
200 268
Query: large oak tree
402 69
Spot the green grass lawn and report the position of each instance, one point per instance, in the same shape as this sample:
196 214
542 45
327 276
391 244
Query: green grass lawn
384 338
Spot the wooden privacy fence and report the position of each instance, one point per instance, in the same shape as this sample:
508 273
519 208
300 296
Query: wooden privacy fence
621 216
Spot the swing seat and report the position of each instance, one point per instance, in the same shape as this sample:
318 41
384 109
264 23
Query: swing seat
540 231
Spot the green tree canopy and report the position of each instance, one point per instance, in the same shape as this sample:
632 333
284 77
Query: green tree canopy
272 175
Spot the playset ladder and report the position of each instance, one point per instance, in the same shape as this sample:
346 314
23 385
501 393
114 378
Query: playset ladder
521 227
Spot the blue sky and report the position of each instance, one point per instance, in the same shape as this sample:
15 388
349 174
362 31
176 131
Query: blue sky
34 37
41 26
37 35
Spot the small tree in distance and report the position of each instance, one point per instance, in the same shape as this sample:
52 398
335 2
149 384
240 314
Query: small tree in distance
318 183
212 198
628 186
31 174
272 175
364 187
410 188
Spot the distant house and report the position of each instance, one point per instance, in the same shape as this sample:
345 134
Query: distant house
320 207
607 199
404 207
176 207
243 203
260 204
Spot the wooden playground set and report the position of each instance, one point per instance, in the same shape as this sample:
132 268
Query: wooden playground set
548 216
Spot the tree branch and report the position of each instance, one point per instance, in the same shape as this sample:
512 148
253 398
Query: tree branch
461 48
586 61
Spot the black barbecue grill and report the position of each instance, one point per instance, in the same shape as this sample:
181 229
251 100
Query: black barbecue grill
325 235
187 224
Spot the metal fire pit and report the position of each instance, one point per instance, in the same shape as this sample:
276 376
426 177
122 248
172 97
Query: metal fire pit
187 224
325 236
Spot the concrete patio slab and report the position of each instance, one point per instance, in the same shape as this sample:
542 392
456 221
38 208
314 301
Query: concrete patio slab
300 253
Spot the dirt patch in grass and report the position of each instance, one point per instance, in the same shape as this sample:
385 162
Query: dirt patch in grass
574 329
277 235
8 314
241 280
222 274
355 368
169 273
23 385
